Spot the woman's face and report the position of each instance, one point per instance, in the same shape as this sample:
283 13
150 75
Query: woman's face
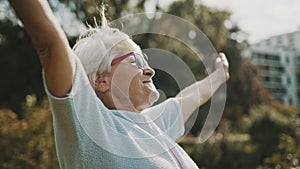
131 86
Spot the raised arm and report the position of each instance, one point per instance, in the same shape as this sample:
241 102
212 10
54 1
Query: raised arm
200 92
50 43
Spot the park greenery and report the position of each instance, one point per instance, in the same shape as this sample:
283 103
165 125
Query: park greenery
255 131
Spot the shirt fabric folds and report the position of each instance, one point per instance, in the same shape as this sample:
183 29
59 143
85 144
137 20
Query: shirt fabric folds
90 136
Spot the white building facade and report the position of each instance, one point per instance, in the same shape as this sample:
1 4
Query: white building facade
279 61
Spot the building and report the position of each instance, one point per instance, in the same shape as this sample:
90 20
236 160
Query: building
279 61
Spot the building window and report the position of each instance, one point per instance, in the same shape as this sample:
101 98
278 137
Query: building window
278 90
274 57
254 56
287 60
280 69
288 80
279 40
291 39
267 78
298 78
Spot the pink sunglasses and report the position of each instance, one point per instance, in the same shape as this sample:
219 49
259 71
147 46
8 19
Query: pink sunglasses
140 59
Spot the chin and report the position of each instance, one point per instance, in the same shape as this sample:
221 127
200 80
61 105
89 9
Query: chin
153 97
146 96
153 94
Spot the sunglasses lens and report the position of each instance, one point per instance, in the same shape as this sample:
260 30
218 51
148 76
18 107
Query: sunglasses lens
141 60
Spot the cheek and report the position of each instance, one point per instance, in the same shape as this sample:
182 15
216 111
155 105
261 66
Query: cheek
125 78
142 94
135 86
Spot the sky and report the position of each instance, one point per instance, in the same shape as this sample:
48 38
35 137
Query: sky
261 19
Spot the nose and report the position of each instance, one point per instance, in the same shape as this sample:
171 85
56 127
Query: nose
148 71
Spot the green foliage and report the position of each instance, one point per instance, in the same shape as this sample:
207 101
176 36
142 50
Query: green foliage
269 138
244 87
298 79
255 132
27 143
245 83
86 11
244 75
20 69
227 150
22 59
287 154
210 21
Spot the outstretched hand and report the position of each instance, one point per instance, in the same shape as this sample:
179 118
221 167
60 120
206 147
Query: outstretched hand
222 63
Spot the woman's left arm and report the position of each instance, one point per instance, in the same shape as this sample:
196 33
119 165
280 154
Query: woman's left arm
200 92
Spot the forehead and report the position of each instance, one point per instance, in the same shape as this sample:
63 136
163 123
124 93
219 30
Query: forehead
127 46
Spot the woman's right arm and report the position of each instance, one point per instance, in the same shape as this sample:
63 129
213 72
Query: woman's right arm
50 43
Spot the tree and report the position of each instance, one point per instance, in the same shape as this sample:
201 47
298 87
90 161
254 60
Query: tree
86 11
245 89
19 64
19 68
269 138
28 142
287 154
210 21
278 139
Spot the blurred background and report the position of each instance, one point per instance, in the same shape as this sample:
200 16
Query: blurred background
260 127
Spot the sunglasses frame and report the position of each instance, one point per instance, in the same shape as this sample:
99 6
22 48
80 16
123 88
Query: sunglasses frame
144 59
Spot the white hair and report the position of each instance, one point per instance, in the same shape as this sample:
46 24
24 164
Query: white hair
96 47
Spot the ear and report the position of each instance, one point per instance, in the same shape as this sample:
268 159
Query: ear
101 82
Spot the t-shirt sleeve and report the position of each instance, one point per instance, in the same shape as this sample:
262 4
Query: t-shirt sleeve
81 118
168 117
81 98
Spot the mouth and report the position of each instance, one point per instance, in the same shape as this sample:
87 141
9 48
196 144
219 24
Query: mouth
147 81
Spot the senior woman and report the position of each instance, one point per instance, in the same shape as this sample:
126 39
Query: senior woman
101 95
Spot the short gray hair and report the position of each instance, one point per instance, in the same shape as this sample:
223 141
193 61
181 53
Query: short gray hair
94 48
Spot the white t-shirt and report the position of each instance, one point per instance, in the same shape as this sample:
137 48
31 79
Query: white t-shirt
90 136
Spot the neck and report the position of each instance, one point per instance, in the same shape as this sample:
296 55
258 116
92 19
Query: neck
117 103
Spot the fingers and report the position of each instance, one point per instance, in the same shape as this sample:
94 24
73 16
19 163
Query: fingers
224 63
222 56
